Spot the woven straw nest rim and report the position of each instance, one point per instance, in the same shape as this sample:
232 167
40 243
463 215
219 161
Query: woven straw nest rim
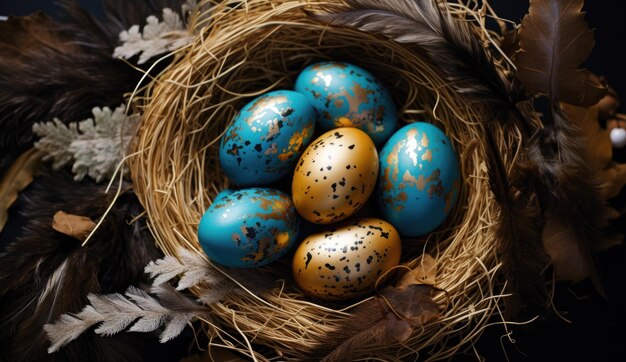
245 48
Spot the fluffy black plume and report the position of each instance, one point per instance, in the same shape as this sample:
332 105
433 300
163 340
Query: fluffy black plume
44 274
451 44
63 69
49 69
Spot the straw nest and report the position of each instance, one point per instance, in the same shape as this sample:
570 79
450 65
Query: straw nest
254 46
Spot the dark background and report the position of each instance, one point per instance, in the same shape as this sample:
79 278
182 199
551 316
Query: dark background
595 330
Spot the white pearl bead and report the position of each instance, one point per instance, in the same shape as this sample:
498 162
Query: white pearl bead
618 137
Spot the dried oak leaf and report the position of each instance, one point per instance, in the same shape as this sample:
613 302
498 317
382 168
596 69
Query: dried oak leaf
399 311
598 149
425 272
75 226
16 179
413 303
554 41
570 262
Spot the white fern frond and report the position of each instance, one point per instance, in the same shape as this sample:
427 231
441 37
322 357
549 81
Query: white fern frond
116 312
158 37
175 326
69 327
95 145
165 269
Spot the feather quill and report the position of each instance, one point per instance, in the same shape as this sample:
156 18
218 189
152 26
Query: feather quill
451 45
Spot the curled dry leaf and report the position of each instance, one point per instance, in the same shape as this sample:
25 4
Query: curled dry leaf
424 272
75 226
391 317
569 261
554 41
16 179
598 149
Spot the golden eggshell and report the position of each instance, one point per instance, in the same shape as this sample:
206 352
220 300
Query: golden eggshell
335 175
346 262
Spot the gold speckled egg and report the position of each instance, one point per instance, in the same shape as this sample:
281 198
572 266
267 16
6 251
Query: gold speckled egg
335 175
345 262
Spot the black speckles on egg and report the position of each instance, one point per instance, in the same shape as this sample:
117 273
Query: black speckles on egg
346 265
335 191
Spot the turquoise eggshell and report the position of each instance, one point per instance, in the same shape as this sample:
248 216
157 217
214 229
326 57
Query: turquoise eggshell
248 228
346 95
265 139
419 179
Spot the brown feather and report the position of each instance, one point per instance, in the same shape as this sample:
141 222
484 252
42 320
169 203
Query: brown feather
566 185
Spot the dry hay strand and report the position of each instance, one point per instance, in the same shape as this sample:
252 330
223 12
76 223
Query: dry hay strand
255 46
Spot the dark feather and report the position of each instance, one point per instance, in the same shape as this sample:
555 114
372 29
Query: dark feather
569 186
518 231
49 69
456 50
111 261
451 45
122 14
63 69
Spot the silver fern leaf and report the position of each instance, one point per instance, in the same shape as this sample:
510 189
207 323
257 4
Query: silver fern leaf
158 37
116 312
95 145
69 327
192 268
164 270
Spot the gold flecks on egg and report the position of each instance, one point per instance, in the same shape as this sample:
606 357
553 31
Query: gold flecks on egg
344 122
232 134
273 130
329 65
420 182
391 172
263 249
424 142
261 105
236 238
295 142
436 189
282 239
271 150
427 156
411 145
326 78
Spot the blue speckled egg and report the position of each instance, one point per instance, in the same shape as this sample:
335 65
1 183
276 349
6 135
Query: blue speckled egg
248 228
346 95
419 179
266 138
